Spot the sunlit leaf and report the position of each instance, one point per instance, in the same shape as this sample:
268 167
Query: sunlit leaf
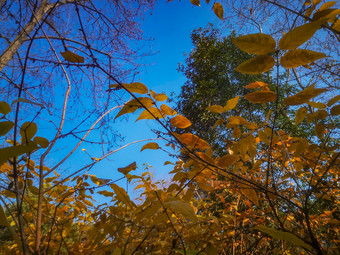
258 44
151 113
215 108
299 57
335 110
303 96
180 121
5 127
282 235
158 97
5 108
151 146
336 25
72 57
256 65
178 206
261 96
133 105
122 196
327 5
128 168
194 141
195 2
43 142
218 10
255 85
249 193
168 163
227 160
231 104
235 121
300 115
299 35
135 87
27 131
168 110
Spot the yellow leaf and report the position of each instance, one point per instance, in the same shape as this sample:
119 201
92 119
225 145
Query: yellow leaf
235 121
227 160
5 108
218 10
299 57
217 123
327 5
325 14
282 235
127 169
158 97
180 121
257 44
72 57
147 115
249 193
135 87
168 163
236 132
299 35
168 110
335 110
336 25
231 104
255 85
122 196
300 115
320 130
333 100
256 65
133 105
106 193
304 96
152 146
27 131
194 141
317 105
261 96
195 2
215 108
316 2
182 207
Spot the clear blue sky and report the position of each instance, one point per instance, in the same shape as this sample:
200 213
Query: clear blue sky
170 25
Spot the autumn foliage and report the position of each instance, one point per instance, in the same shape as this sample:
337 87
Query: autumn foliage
272 193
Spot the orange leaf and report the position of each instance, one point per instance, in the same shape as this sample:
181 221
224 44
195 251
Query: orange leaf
180 121
255 85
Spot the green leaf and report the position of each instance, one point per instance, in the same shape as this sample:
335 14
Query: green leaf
27 131
218 10
72 57
15 151
257 44
299 35
5 108
24 100
286 236
299 57
182 207
152 146
5 127
43 142
122 196
256 65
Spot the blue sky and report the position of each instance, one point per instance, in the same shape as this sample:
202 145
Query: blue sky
170 25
